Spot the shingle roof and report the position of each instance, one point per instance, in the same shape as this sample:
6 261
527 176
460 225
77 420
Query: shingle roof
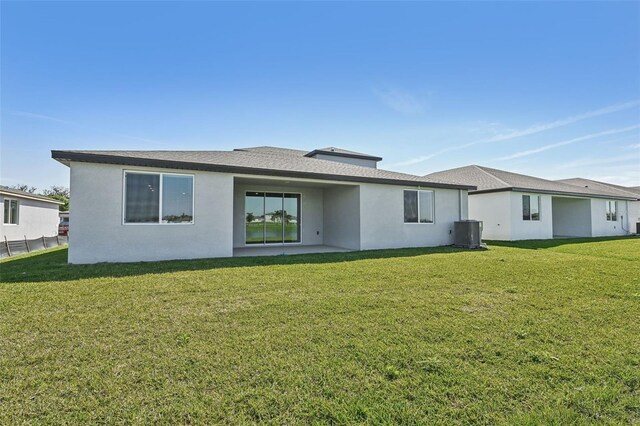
594 184
331 150
493 180
24 194
269 161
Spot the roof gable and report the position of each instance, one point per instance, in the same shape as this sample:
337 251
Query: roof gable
487 179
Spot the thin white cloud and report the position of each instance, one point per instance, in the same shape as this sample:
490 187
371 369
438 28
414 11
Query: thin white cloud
534 129
634 146
400 101
563 122
590 161
42 117
566 142
413 161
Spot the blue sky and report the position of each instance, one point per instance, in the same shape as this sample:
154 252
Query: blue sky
549 89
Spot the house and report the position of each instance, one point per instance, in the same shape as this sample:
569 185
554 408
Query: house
154 205
520 207
27 215
633 216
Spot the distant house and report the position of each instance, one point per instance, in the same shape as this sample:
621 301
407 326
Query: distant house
633 216
520 207
154 205
27 215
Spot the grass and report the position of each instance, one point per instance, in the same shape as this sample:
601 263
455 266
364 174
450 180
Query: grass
523 333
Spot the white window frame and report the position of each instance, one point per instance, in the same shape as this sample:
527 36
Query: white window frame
531 219
161 174
607 211
433 207
17 212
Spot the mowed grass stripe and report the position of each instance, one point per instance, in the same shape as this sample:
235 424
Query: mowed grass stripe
533 334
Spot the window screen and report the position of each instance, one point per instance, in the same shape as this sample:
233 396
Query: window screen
142 199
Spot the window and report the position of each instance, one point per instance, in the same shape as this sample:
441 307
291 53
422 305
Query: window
10 212
530 207
419 206
612 211
158 198
272 217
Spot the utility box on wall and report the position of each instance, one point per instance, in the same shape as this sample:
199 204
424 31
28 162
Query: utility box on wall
468 234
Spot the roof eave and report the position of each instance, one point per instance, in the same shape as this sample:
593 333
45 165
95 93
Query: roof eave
539 191
44 199
65 157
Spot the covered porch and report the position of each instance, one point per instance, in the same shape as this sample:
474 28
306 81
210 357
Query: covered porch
571 217
280 216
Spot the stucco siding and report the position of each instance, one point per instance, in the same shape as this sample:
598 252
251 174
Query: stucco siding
531 229
35 219
571 217
601 227
633 216
97 232
311 211
382 218
494 210
342 217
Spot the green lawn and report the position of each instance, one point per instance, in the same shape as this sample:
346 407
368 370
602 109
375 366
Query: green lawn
522 333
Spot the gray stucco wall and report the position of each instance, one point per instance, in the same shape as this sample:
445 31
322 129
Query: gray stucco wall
35 219
97 233
382 218
342 217
348 160
311 212
571 217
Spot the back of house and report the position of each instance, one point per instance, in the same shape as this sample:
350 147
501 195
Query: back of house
513 206
155 205
27 215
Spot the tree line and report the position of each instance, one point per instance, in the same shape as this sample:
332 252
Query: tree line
57 192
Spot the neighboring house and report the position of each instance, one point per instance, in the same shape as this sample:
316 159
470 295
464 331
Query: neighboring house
153 205
27 215
63 226
633 216
519 207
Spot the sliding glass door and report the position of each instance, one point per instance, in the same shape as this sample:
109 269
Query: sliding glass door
272 218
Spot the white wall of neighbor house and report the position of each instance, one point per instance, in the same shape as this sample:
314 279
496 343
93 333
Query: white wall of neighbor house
311 212
571 217
35 219
531 229
601 227
382 218
494 210
634 216
342 217
98 234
